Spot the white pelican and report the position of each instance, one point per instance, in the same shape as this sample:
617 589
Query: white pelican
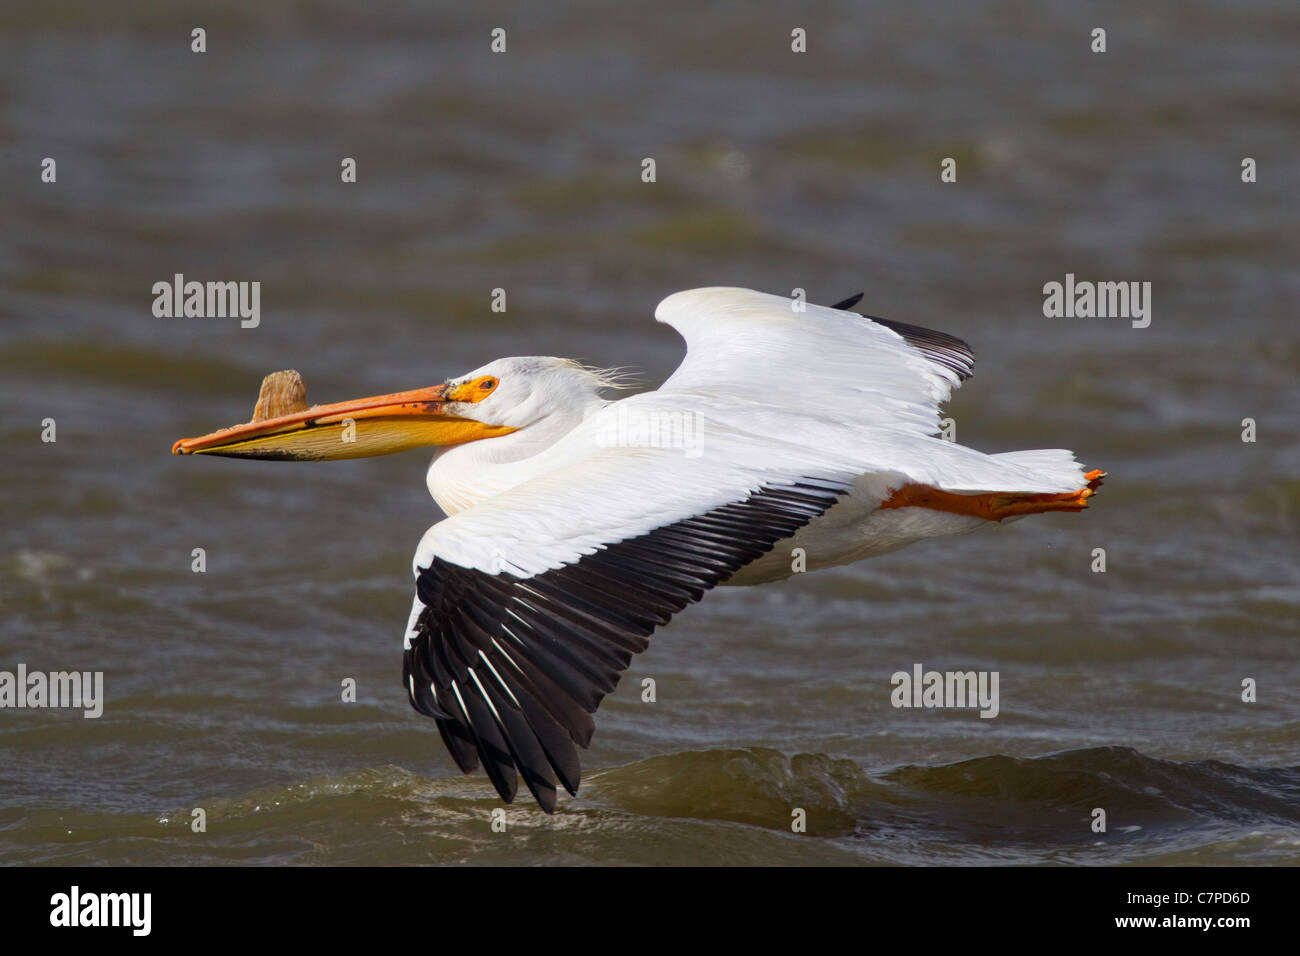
576 525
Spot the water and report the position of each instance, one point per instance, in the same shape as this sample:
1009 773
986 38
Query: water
522 171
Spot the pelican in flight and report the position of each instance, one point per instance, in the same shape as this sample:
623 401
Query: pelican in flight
576 525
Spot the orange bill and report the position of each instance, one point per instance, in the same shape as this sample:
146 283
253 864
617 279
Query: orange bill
361 428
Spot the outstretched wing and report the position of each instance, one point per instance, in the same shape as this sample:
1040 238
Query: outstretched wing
804 357
512 667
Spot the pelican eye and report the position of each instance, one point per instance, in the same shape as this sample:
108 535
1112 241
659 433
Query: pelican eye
487 384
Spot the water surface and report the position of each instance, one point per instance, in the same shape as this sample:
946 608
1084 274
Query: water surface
774 171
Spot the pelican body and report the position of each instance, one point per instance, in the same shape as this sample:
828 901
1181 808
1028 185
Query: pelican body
576 524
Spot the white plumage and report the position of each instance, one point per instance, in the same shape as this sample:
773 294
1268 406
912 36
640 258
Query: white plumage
771 395
577 525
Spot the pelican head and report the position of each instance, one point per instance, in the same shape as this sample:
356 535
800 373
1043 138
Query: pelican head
534 393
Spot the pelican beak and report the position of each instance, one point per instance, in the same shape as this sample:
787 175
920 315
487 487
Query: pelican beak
361 428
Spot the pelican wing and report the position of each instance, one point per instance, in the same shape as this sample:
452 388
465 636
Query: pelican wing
512 665
865 391
813 359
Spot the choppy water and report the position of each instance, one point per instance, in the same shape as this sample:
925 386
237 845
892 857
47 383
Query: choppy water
522 171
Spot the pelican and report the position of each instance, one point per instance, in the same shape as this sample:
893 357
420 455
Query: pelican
792 436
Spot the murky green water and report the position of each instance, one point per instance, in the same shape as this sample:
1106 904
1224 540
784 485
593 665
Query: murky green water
774 170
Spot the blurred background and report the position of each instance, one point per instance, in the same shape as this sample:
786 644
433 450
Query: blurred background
774 170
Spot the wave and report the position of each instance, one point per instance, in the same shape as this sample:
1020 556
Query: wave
729 807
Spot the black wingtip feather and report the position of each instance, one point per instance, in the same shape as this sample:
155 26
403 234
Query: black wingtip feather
498 761
939 347
459 744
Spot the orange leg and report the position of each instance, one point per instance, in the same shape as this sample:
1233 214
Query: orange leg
993 506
